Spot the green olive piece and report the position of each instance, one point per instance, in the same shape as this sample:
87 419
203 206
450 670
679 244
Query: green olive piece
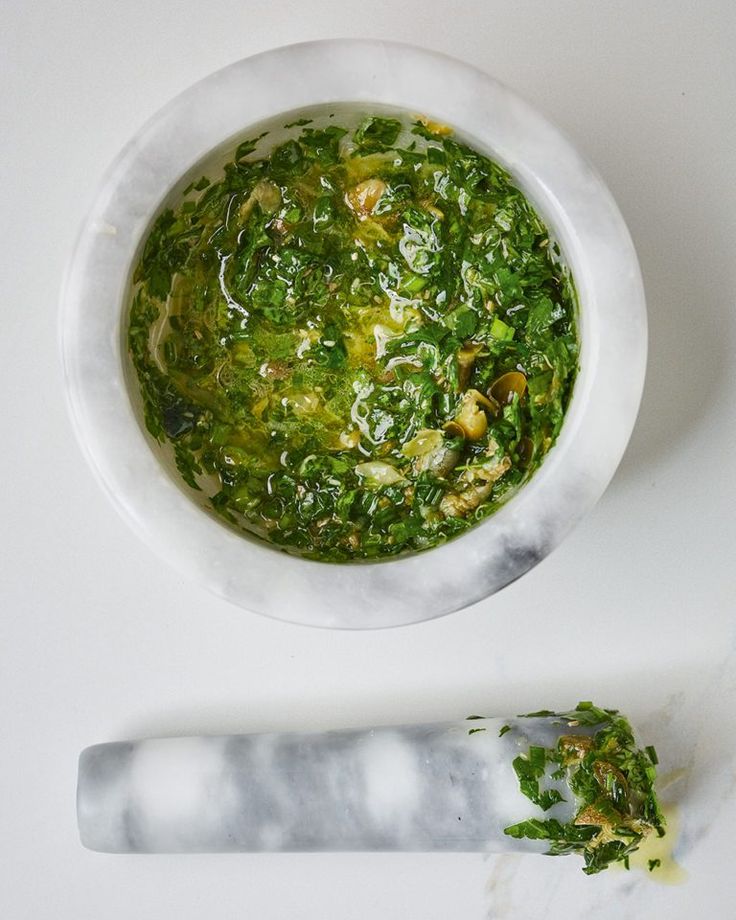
471 420
465 361
504 387
525 451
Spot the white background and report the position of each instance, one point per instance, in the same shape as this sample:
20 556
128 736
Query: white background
636 610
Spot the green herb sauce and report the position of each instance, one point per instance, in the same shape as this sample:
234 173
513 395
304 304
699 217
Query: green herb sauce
358 345
612 782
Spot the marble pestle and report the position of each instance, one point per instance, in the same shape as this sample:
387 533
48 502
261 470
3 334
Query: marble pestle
448 786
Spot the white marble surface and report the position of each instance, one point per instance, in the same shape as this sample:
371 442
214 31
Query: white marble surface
99 641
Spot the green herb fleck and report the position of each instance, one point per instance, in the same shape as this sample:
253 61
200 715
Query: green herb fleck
248 146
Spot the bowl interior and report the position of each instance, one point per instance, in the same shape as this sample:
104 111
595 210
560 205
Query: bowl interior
272 132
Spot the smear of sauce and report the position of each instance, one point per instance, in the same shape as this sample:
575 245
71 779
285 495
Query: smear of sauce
661 849
669 871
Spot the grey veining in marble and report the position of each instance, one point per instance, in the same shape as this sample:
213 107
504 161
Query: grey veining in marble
566 190
445 787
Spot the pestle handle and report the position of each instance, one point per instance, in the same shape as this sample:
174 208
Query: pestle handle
413 788
548 782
